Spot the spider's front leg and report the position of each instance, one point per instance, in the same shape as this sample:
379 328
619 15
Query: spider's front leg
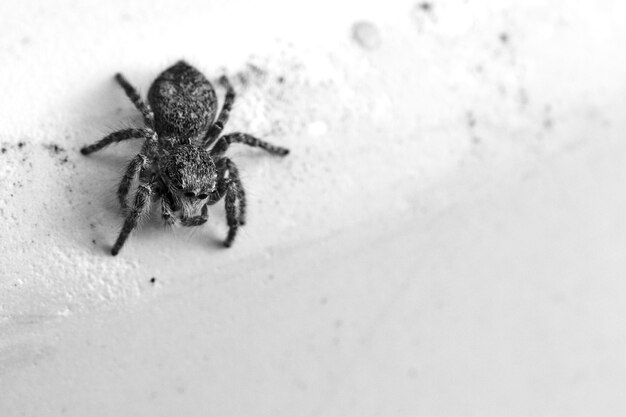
142 199
136 166
167 210
230 186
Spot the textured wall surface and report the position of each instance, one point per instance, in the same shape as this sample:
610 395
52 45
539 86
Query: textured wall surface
446 238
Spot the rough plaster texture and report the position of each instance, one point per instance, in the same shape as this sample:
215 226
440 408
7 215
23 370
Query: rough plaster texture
445 238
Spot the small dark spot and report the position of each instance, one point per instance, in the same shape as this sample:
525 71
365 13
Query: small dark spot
21 144
281 80
522 98
93 226
548 123
53 147
3 150
366 35
425 6
152 280
243 79
64 160
548 120
471 119
93 241
256 69
504 37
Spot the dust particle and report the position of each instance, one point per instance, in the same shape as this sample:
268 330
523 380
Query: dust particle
243 79
256 69
21 144
252 74
54 148
548 121
152 280
504 37
425 6
366 35
471 119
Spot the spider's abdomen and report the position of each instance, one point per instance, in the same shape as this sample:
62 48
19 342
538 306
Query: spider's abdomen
183 101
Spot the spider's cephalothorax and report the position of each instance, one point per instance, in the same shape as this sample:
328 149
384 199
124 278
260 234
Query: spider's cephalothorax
182 160
190 177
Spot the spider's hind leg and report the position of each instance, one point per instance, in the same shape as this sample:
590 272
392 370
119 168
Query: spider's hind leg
119 136
222 145
216 128
134 96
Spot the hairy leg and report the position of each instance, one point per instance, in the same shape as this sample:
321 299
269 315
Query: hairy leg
167 210
137 164
230 203
221 146
233 175
119 136
142 198
230 186
216 128
134 96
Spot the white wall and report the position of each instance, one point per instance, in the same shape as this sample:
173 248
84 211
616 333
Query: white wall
444 240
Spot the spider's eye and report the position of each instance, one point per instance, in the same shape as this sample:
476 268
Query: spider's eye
202 196
190 194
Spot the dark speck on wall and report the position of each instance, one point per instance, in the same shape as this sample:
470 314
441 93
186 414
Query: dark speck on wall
504 37
153 280
53 147
366 35
471 119
258 71
426 6
21 144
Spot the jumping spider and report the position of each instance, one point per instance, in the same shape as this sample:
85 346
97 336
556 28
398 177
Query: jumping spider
182 160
